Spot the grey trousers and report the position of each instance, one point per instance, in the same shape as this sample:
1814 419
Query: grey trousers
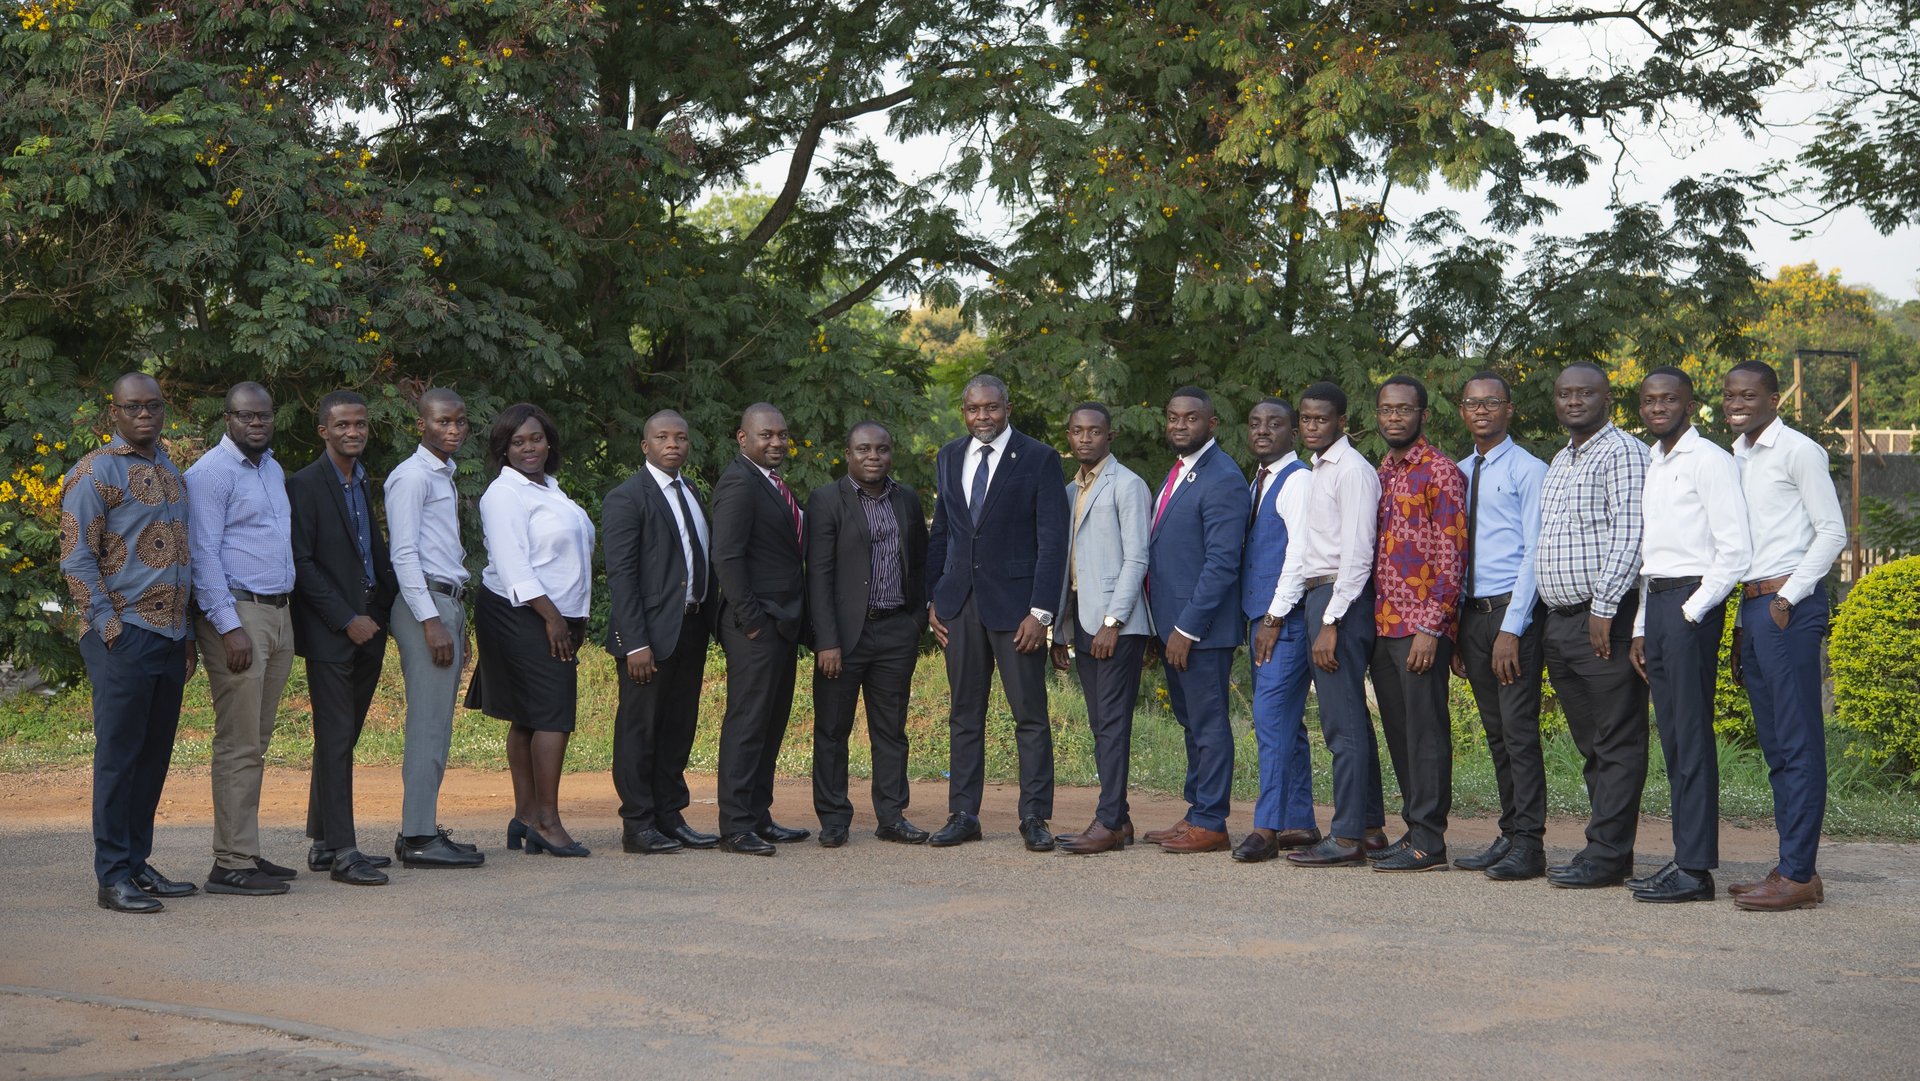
246 705
431 692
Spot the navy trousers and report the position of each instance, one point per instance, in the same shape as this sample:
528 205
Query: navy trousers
136 711
1112 689
1683 660
1345 724
1783 684
1280 729
1200 705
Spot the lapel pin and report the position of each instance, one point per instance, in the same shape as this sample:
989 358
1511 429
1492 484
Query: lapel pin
1191 478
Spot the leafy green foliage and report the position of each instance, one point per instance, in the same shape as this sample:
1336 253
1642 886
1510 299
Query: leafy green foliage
1875 656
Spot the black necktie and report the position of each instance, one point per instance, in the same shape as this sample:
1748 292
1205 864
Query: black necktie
977 498
1473 512
1259 487
699 568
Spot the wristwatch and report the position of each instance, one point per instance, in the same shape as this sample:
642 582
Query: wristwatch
1781 604
1270 620
1113 622
1045 619
1329 621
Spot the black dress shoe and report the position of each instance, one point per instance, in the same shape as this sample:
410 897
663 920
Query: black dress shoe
902 832
747 844
782 835
1644 881
1676 886
1255 848
356 868
693 838
1522 863
1375 854
1413 859
268 867
155 884
1584 874
648 841
961 827
833 836
435 852
1480 861
1034 831
245 882
124 896
321 859
1330 852
447 835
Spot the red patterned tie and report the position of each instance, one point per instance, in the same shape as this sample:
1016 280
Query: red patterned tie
793 508
1166 490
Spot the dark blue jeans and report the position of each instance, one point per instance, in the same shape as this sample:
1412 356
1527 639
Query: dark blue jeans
136 710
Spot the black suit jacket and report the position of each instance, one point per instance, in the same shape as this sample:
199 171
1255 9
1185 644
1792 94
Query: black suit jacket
1015 558
756 555
327 576
840 561
647 570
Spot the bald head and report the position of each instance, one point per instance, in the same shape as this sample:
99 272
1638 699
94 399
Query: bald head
762 435
437 396
138 410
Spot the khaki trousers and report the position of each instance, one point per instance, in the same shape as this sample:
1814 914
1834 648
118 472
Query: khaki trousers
245 706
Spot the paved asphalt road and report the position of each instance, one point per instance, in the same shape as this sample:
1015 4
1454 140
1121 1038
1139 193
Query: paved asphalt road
880 961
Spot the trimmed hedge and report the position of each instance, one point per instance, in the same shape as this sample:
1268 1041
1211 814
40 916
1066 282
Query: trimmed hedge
1875 658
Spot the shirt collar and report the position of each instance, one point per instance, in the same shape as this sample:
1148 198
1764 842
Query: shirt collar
1273 469
228 445
1187 460
1767 437
999 443
509 471
119 445
660 476
1605 432
1688 440
1498 452
359 470
432 461
764 471
1334 453
1086 475
886 491
1417 454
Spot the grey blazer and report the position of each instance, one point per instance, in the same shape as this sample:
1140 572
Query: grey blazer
1109 554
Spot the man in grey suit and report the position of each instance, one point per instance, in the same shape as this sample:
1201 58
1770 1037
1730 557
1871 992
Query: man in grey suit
1103 612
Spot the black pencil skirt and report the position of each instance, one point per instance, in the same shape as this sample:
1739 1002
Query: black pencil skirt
515 677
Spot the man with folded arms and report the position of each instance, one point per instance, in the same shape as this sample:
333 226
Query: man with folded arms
1589 558
1793 515
429 623
1498 651
242 546
1693 552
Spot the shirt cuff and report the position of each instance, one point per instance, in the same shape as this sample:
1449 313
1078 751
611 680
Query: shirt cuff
1797 589
224 618
522 592
642 649
1604 609
1188 635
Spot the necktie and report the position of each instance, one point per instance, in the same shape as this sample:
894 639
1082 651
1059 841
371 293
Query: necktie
1259 488
698 570
793 508
1473 512
1166 491
977 496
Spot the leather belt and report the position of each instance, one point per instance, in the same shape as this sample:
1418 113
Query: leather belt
693 609
1488 604
1662 585
884 613
446 589
271 600
1323 580
1571 609
1765 587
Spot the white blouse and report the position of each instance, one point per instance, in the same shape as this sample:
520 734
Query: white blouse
539 543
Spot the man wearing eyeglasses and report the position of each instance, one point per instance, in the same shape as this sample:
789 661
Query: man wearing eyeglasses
242 546
123 549
1498 652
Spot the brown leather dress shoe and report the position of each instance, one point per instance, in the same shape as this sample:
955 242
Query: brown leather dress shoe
1739 888
1197 840
1097 838
1780 894
1376 840
1156 837
1296 838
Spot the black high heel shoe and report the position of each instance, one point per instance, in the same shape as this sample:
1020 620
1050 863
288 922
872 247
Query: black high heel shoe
516 832
537 844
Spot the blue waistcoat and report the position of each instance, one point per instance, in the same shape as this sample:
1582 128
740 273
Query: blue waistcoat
1266 550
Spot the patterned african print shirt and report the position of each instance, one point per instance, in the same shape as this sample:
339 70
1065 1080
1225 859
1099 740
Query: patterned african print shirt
123 542
1422 546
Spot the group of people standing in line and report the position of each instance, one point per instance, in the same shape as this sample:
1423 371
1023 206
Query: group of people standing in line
1608 569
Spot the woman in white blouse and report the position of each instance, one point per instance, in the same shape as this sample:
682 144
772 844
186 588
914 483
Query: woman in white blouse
529 618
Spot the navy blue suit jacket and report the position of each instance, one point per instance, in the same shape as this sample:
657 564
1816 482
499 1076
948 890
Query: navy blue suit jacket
1015 559
1193 562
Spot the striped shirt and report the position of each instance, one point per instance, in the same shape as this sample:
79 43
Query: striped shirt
1590 525
242 536
123 541
889 565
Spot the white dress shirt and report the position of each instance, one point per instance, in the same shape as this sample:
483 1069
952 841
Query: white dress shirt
1792 507
1291 506
972 464
1695 523
1342 521
539 543
423 527
690 535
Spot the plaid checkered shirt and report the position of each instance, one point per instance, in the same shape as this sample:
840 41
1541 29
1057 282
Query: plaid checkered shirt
1590 528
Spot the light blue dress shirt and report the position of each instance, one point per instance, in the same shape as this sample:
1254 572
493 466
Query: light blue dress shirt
1506 528
242 530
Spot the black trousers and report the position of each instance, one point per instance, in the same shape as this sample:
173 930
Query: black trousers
1413 714
1606 706
653 731
1344 722
341 692
1510 716
1683 661
759 700
880 667
1112 689
136 712
973 652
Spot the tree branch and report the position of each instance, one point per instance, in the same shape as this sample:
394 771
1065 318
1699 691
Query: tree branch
865 289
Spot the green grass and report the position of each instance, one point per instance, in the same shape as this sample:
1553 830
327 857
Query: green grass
39 731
